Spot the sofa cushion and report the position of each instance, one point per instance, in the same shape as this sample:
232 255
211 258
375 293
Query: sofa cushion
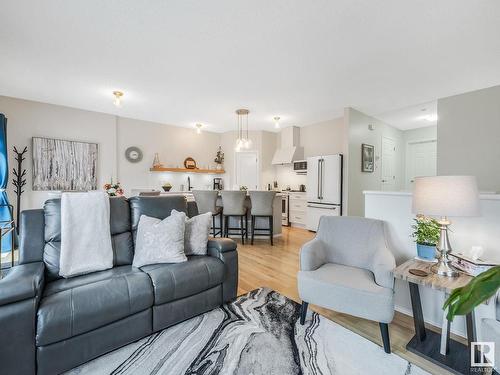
121 235
172 281
157 207
70 307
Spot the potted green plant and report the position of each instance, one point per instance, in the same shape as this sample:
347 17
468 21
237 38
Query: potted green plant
463 300
426 235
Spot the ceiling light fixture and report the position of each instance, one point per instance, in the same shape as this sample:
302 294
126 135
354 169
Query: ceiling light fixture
118 98
243 140
198 128
277 122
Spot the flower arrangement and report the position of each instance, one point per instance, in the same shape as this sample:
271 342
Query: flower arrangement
219 157
425 231
113 189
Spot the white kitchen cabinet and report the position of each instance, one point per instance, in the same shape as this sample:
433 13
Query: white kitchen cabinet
298 208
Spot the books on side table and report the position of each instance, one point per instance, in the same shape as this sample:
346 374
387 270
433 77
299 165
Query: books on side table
470 266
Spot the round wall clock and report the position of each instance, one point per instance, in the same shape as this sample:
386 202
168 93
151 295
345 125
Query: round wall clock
133 154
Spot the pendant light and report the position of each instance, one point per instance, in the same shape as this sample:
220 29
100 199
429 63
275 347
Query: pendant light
118 98
277 122
243 140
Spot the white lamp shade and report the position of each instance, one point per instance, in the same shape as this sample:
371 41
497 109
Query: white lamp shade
446 196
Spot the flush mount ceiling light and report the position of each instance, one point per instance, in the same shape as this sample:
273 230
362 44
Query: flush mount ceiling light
277 122
430 118
243 140
118 98
198 128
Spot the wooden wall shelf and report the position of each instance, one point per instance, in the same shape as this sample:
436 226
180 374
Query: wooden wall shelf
185 170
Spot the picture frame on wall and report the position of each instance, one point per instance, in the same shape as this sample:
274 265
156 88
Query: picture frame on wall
64 165
367 158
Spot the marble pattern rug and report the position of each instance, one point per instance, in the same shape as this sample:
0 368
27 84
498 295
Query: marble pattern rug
258 333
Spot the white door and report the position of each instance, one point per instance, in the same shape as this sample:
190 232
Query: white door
388 175
313 179
247 169
330 179
421 160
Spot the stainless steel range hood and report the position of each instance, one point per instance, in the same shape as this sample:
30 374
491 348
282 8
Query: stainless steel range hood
289 149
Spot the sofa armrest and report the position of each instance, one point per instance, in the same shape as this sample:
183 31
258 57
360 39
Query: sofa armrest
22 282
383 264
20 293
225 250
221 245
312 255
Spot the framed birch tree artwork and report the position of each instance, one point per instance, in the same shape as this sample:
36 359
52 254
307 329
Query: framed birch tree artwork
64 165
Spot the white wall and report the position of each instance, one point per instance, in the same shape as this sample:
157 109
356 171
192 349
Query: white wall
323 138
358 133
27 119
173 145
469 136
395 209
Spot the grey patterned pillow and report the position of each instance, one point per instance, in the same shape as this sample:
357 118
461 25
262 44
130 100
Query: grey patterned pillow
160 241
196 235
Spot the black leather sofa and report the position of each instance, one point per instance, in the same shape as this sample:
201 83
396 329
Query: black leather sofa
49 324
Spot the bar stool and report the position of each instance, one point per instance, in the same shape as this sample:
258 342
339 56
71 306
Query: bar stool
262 206
233 203
206 201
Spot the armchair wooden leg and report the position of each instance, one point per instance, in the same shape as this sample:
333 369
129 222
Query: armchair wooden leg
303 312
384 330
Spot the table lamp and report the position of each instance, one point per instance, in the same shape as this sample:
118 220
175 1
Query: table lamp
445 196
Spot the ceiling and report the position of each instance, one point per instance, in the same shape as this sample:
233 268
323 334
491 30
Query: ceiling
413 117
182 62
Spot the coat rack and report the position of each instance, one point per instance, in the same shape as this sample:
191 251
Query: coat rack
19 181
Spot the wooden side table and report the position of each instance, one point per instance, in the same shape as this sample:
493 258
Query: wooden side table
437 348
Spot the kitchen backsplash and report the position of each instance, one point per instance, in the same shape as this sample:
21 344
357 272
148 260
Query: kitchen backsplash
286 176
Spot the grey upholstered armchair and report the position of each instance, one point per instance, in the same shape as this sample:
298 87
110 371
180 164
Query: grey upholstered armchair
348 268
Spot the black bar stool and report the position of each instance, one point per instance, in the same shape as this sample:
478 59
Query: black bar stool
262 206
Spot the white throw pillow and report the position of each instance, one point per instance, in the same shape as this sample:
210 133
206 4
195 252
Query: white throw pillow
196 235
160 241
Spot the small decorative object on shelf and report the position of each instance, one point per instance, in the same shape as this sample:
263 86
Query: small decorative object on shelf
166 186
426 235
190 163
113 189
243 188
219 159
156 161
19 180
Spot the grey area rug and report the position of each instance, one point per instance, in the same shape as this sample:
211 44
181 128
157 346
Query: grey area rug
256 334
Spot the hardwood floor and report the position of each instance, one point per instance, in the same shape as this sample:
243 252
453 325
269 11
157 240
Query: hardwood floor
276 267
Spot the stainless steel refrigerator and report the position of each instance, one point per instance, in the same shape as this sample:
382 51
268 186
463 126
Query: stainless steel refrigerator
324 188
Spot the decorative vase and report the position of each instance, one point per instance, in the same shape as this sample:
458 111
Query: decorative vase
218 167
426 252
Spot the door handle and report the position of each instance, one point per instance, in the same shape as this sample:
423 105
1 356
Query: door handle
319 178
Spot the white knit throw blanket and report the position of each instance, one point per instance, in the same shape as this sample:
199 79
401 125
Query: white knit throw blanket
85 233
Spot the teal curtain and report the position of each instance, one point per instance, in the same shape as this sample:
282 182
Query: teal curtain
5 212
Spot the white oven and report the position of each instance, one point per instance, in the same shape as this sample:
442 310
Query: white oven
285 220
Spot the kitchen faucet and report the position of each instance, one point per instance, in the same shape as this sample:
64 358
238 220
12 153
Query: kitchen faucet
189 184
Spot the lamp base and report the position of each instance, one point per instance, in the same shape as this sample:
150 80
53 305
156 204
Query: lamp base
444 269
443 266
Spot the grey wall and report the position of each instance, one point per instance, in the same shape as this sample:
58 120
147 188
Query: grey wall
358 133
469 136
